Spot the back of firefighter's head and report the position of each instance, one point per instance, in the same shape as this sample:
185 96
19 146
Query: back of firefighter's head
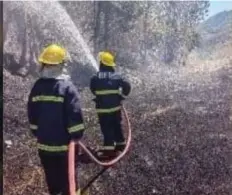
106 59
53 55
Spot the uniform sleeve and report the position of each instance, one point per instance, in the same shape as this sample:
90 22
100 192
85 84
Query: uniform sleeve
92 85
126 87
31 113
75 124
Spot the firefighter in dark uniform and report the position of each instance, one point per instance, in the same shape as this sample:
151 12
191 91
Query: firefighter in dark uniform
55 117
109 88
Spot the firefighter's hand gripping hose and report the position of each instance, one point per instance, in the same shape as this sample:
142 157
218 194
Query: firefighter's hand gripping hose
72 175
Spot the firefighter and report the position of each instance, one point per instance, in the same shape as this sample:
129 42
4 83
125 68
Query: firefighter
109 88
55 117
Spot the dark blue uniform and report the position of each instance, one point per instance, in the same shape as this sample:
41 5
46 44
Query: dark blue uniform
55 118
110 88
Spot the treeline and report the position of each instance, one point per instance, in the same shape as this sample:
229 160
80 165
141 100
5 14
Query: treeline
140 32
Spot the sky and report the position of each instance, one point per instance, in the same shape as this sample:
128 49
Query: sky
219 6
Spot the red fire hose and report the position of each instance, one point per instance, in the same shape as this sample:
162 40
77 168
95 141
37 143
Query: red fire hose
71 155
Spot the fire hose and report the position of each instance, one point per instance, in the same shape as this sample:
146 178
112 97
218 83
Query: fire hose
106 165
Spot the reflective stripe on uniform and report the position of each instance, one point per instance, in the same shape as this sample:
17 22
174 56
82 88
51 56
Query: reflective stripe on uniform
53 148
33 127
44 98
109 110
106 92
107 148
76 128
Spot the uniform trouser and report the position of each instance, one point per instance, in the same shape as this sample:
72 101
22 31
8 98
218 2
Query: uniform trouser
56 172
111 128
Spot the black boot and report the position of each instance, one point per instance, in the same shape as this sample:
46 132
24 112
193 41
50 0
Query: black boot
120 147
104 154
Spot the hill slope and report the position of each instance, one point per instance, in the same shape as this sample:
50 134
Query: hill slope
217 30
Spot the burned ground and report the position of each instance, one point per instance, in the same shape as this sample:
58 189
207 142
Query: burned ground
181 143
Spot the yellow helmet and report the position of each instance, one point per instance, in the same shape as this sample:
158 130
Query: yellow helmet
53 55
106 58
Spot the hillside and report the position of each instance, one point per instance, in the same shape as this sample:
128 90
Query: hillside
216 31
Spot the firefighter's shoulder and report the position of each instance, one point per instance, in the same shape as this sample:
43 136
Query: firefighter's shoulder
94 76
36 85
117 76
